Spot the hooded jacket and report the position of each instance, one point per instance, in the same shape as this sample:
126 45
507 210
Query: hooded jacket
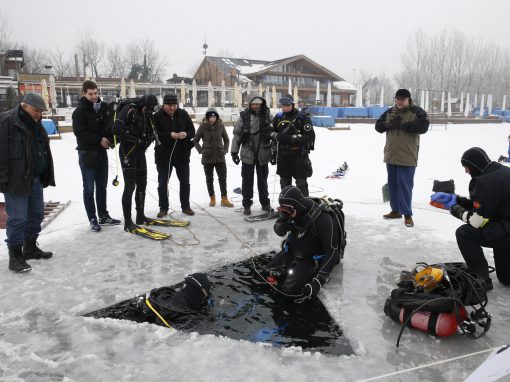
252 135
215 141
17 153
403 129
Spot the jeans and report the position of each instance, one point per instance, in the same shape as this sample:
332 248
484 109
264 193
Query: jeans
247 173
400 187
99 177
164 173
25 214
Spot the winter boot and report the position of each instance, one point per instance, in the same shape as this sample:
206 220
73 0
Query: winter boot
408 221
17 262
247 210
225 202
162 213
393 215
212 202
32 251
266 207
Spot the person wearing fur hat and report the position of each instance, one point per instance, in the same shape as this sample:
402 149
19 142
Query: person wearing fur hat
486 213
134 129
251 145
403 125
213 149
314 244
176 131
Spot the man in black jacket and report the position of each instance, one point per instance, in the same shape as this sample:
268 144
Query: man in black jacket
486 213
175 131
314 245
134 129
26 167
294 137
93 141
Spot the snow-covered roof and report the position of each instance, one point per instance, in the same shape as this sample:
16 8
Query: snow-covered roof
344 85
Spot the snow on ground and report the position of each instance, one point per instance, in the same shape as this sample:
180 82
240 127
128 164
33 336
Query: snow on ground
44 338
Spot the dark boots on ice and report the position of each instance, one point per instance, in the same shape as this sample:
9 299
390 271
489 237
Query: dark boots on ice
32 251
17 262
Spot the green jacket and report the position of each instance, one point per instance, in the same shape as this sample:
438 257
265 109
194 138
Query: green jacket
403 129
215 142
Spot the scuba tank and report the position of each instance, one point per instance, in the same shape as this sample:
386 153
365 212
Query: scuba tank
441 324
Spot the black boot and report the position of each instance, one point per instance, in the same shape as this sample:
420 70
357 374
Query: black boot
32 251
128 224
484 274
140 209
17 262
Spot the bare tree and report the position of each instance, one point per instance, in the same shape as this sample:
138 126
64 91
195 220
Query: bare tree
115 63
144 62
62 63
34 59
92 52
5 31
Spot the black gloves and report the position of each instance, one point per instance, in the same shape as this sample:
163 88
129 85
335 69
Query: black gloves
235 158
457 211
273 159
395 122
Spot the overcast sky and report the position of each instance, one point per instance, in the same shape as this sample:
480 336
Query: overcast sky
343 36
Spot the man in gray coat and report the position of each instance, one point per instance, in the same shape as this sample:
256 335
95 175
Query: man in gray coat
252 135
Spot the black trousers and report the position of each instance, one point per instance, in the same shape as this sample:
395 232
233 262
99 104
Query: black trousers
471 240
221 171
296 166
164 171
134 169
248 173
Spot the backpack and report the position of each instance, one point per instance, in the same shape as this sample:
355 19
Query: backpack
113 109
334 207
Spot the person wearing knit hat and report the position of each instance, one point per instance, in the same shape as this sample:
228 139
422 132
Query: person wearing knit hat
486 214
176 131
26 167
403 124
213 150
134 128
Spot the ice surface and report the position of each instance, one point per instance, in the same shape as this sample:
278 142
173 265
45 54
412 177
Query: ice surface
42 337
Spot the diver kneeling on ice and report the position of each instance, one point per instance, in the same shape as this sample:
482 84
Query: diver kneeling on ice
314 245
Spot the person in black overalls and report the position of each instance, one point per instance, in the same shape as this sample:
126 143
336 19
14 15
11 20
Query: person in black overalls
135 130
294 138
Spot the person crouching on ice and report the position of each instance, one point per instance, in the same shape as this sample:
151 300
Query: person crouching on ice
314 245
486 213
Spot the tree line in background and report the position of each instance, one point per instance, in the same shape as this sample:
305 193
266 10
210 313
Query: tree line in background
139 60
451 61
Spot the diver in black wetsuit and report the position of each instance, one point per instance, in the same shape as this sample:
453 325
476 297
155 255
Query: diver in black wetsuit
314 244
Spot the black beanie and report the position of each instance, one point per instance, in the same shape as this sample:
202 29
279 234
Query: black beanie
170 99
403 93
476 160
150 101
292 196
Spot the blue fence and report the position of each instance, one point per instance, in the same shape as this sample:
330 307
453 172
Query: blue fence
348 112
